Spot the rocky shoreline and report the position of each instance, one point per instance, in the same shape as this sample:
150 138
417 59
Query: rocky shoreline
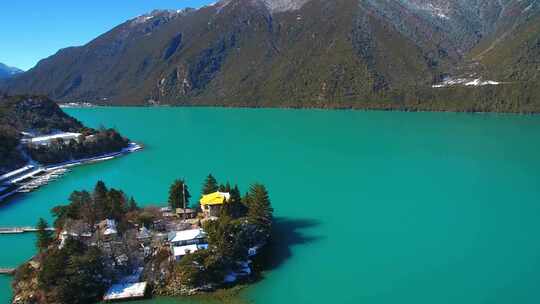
105 247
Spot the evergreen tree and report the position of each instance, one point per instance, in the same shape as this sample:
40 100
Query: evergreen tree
177 193
75 274
132 205
44 236
100 200
225 240
80 284
226 210
87 210
234 207
116 204
52 269
246 200
259 207
238 209
225 188
210 185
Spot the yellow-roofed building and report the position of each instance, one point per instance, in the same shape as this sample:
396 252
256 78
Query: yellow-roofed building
211 203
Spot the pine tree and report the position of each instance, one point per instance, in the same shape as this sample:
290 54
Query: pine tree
100 200
225 187
86 211
116 204
132 205
44 236
176 195
238 209
259 207
246 200
210 185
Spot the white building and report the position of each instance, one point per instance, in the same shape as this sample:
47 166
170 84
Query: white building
48 139
187 241
108 229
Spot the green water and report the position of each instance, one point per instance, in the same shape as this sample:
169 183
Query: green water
371 207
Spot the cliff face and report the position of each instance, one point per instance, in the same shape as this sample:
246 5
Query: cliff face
306 53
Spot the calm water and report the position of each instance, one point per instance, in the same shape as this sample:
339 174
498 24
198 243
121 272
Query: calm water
372 207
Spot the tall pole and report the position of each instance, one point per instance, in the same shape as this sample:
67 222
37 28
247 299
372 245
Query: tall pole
184 194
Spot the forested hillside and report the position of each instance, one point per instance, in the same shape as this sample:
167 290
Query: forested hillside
480 55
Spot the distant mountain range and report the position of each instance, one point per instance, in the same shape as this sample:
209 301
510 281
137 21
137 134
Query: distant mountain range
8 72
460 55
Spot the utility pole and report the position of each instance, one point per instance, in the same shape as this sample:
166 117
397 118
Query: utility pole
184 193
184 199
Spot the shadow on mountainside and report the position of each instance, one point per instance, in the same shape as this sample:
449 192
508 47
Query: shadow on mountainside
286 233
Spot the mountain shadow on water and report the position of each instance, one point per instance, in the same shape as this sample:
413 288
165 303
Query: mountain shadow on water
286 233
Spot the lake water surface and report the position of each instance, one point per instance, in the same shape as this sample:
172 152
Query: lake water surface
371 207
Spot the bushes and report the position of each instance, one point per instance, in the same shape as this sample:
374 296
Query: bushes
200 268
101 142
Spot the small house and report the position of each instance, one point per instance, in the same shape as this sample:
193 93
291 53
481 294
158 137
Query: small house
186 213
211 203
108 229
187 241
144 235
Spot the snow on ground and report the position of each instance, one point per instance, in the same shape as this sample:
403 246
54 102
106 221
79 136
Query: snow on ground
16 172
469 82
127 288
48 138
125 291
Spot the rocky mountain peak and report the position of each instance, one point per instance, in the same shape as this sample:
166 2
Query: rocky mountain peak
274 6
284 5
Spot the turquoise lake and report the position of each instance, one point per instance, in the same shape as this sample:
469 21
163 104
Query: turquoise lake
371 207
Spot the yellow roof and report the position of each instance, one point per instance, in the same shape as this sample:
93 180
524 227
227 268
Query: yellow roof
216 198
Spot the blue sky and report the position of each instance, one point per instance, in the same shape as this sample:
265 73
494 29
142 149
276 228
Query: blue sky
31 30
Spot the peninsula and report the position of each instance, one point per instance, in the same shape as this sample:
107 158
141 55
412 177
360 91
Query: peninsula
39 142
106 247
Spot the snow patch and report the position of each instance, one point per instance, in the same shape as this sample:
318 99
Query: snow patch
443 16
469 82
438 11
274 6
284 5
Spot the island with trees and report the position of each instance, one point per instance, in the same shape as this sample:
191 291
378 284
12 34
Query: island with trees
106 247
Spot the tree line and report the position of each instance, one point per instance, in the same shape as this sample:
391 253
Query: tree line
87 145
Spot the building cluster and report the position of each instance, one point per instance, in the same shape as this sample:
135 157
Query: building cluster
127 252
188 241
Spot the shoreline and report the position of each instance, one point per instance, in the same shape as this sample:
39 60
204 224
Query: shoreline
158 258
382 108
42 175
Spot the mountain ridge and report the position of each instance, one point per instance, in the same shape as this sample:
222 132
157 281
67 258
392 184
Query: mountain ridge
386 54
8 72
